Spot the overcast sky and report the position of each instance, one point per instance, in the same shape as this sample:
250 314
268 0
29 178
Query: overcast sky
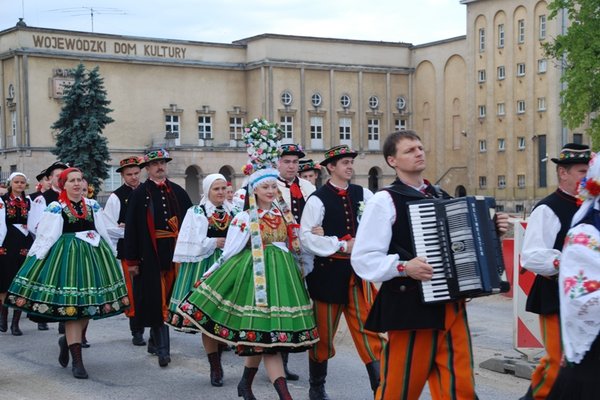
224 21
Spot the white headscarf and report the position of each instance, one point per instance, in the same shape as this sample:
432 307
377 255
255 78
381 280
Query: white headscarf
206 185
14 174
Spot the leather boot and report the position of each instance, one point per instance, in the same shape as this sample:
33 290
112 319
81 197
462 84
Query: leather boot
167 338
77 367
318 373
244 388
151 343
3 318
282 389
216 369
14 326
42 326
137 333
61 327
289 375
373 371
63 356
160 342
84 342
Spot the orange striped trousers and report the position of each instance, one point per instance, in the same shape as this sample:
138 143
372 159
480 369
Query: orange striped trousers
368 344
544 375
130 312
442 358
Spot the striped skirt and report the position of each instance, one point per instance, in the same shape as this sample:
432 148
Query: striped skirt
75 280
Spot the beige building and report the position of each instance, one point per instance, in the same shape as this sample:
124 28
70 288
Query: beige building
194 98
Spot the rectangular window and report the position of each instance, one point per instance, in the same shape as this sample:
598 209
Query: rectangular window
501 109
316 132
519 208
542 66
482 146
501 144
13 123
205 127
482 182
542 33
501 181
481 39
400 124
286 123
345 130
521 181
521 31
520 106
172 127
542 161
521 143
541 104
113 181
501 36
236 128
481 76
521 69
481 111
373 133
501 72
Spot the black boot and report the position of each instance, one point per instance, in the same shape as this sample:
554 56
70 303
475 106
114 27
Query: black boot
61 327
63 356
160 342
244 388
3 318
318 373
282 389
373 371
216 369
14 326
77 367
289 375
42 326
84 342
137 333
151 343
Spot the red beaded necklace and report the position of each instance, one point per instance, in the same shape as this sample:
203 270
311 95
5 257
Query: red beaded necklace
83 214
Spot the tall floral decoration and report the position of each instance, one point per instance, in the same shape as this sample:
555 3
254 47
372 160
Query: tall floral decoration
262 145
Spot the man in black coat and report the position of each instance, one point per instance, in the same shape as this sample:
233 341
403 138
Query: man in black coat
154 215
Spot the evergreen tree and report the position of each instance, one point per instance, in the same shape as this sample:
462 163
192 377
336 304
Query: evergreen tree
84 115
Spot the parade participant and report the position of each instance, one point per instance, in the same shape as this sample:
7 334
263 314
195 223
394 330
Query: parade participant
254 296
426 342
229 194
308 170
42 186
15 241
154 216
71 273
332 284
38 206
579 289
115 212
544 238
199 246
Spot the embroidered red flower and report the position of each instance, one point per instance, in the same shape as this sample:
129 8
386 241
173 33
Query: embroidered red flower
581 238
251 336
125 301
20 302
591 286
283 337
569 283
91 235
593 187
223 332
107 308
186 322
198 315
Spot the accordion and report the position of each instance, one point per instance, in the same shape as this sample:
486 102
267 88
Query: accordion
458 237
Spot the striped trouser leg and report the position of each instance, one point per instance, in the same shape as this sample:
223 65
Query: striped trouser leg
545 373
130 312
167 280
327 317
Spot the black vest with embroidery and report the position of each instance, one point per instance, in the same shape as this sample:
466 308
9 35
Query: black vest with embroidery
213 230
298 204
543 298
329 281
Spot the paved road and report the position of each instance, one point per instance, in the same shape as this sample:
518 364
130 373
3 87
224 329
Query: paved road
29 367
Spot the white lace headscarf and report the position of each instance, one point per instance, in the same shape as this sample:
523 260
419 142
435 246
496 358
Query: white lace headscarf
207 183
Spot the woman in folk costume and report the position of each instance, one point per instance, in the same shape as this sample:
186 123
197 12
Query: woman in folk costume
254 296
199 246
579 291
15 241
71 273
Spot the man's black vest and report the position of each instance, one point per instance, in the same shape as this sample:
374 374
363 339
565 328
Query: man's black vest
122 194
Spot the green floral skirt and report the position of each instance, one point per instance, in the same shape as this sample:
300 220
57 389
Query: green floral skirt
188 276
75 280
223 305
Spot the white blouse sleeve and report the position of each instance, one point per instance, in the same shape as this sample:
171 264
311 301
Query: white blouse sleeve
538 254
236 240
38 206
193 244
99 223
49 230
312 216
111 218
370 258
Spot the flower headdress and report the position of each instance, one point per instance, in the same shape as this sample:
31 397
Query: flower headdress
262 145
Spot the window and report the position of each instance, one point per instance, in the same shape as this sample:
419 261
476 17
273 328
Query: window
542 32
345 130
316 132
481 76
501 181
501 36
482 146
373 129
286 98
521 31
204 127
482 182
542 66
113 181
521 181
400 103
520 106
501 144
521 143
521 69
172 127
519 208
499 207
373 102
501 72
481 111
578 138
345 101
236 127
286 123
481 39
13 123
500 109
316 100
400 124
541 104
